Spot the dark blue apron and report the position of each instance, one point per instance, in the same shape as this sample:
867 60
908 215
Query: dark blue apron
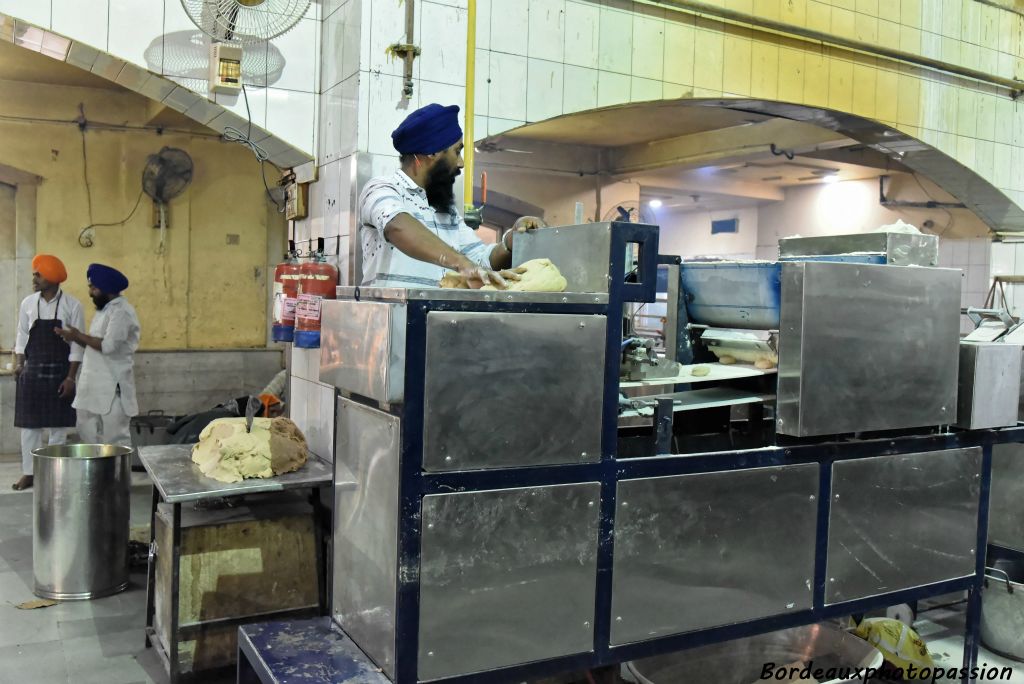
36 403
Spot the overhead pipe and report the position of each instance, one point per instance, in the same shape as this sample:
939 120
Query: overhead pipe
789 30
473 215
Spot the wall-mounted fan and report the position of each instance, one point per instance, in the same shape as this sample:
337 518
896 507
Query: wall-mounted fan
244 22
165 176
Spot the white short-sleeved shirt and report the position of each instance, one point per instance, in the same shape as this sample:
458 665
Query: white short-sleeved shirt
384 265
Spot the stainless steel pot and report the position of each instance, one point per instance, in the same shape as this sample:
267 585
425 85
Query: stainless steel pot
80 520
1002 609
742 661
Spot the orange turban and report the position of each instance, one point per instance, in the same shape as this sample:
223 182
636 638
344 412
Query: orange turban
50 267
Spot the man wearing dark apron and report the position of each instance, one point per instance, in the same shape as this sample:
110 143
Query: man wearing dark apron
46 364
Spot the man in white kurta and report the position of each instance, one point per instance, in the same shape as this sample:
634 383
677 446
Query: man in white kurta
106 398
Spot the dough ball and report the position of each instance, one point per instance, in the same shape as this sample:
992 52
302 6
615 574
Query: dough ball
536 275
228 453
727 360
700 371
764 364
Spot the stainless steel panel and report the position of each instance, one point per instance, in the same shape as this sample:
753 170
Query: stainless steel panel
581 253
507 577
709 549
512 389
905 249
401 294
366 529
900 249
902 521
362 348
1006 505
856 338
989 388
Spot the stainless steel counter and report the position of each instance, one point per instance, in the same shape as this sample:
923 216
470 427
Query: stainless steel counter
179 480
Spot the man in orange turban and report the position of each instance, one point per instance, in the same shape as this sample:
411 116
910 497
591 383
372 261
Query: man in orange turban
46 365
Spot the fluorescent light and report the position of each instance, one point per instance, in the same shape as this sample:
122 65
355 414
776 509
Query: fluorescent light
654 204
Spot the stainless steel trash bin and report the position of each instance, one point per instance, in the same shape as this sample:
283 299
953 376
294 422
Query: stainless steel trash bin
80 520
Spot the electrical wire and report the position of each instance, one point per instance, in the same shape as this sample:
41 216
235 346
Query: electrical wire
104 126
949 214
86 241
232 134
83 239
85 167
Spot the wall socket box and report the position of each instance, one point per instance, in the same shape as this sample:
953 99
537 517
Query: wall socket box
225 68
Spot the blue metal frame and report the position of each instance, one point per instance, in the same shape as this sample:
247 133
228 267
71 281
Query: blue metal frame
415 484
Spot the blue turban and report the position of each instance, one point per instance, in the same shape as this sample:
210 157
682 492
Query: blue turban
428 130
106 279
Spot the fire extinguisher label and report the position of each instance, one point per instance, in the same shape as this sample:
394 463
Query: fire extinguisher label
309 306
284 308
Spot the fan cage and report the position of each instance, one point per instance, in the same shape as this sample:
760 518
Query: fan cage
245 21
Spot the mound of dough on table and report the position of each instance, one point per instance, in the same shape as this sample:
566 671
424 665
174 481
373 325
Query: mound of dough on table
226 452
536 275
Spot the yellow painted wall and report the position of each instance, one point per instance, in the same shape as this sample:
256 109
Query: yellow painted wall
614 52
202 293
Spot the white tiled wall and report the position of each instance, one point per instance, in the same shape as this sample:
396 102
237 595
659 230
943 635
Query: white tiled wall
157 37
973 258
1008 259
312 402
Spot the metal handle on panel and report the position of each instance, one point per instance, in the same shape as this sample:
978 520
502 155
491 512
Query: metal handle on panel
1006 578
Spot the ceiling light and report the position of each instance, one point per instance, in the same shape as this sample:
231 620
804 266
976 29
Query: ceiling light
654 204
831 179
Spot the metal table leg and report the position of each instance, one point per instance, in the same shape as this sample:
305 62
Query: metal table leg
172 648
151 569
321 556
972 633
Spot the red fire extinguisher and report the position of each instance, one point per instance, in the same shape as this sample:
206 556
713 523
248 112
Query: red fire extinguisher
318 280
286 293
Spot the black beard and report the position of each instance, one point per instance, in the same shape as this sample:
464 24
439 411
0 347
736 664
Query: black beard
440 187
101 301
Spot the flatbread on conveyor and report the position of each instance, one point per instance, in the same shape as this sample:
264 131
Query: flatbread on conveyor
226 452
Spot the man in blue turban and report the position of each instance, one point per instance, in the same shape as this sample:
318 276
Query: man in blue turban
410 229
106 388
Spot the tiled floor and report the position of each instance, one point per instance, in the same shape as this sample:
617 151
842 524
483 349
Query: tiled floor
101 641
83 642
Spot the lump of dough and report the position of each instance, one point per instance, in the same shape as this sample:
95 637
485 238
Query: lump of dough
536 275
764 364
727 360
700 371
452 280
226 452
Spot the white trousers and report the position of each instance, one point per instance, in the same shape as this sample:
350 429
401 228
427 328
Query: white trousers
111 428
37 438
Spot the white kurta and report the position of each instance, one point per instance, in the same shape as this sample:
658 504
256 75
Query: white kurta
103 374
